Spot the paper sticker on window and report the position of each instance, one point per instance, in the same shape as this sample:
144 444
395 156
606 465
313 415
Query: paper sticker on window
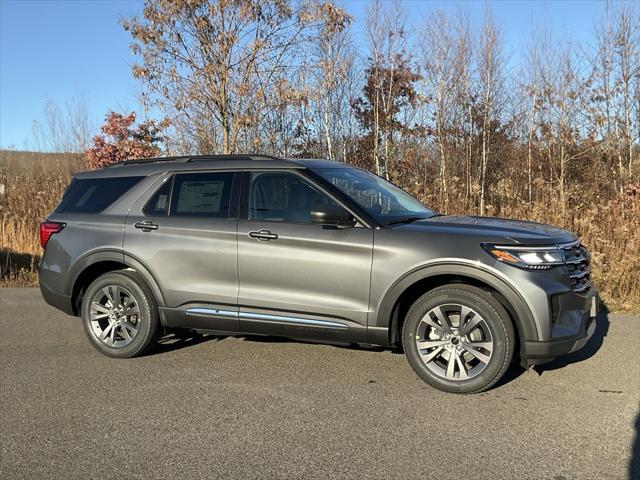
162 202
201 197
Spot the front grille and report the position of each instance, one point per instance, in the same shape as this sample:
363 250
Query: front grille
577 260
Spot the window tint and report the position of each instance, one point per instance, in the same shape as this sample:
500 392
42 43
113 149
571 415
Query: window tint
202 195
92 195
283 197
158 205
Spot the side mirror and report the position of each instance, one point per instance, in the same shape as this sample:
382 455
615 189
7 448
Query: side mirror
323 214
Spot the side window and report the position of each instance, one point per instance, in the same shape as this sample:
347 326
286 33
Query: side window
93 195
158 205
202 195
283 197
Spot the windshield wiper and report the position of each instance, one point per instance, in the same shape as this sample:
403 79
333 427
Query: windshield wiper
405 220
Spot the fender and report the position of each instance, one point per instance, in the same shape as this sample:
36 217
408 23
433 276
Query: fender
523 316
113 255
88 259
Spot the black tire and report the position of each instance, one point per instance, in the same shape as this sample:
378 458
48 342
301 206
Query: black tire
147 320
495 318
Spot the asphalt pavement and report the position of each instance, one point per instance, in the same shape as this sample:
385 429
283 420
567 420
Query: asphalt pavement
251 407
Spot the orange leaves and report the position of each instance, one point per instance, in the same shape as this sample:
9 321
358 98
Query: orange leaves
120 141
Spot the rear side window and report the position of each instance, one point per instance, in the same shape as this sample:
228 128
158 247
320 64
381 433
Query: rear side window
205 194
158 205
93 195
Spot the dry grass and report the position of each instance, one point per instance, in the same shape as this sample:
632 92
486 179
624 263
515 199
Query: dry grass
35 182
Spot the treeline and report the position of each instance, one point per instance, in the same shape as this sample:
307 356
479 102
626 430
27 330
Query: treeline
550 133
435 106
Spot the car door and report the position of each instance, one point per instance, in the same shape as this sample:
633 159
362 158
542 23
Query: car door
297 278
186 235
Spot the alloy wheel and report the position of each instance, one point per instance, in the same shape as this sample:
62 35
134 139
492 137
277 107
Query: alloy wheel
454 342
114 316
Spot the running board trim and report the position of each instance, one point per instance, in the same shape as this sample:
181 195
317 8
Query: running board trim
267 317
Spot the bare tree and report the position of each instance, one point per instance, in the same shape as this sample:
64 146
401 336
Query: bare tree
228 62
386 35
490 86
445 61
65 130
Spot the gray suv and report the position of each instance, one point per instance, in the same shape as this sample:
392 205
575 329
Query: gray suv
310 249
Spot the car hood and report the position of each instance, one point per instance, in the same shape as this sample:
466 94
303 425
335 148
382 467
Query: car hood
493 229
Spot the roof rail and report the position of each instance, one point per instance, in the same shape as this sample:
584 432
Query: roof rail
193 158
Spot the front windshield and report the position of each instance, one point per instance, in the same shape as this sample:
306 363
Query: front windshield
381 199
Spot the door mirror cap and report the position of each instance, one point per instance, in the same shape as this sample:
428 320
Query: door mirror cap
323 214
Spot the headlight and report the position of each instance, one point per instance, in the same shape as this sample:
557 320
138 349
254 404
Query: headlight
532 258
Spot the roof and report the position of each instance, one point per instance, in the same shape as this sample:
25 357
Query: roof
149 166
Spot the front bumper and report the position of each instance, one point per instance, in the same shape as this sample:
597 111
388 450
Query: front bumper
547 351
542 351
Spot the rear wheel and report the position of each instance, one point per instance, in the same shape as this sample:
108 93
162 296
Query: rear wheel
119 314
458 338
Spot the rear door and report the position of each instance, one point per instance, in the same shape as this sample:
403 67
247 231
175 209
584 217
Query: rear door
297 278
185 234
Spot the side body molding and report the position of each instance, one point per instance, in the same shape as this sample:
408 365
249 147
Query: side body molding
520 311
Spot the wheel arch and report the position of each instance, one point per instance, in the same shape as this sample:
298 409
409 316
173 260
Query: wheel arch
90 267
409 287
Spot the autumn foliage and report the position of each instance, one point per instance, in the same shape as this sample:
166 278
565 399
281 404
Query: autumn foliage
120 140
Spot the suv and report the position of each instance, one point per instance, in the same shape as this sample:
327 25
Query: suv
310 249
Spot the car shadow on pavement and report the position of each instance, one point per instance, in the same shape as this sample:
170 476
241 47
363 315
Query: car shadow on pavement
345 345
634 463
179 339
588 351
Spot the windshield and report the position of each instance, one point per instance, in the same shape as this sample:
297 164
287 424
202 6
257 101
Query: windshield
381 199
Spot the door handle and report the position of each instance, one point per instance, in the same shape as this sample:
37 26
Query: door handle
145 226
263 235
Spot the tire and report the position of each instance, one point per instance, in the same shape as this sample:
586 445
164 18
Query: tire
481 351
131 326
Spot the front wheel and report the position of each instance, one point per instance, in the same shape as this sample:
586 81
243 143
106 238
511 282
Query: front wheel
120 315
458 338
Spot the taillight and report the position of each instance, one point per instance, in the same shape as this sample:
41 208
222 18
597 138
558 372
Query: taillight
47 229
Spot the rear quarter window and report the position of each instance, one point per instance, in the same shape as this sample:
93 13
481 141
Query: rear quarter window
93 195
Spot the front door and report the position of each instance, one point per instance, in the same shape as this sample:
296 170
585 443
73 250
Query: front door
297 278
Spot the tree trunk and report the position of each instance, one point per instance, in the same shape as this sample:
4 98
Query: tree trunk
530 153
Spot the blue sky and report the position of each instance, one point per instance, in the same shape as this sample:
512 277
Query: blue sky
55 50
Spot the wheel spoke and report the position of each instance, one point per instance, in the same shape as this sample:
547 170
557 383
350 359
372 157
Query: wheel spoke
125 332
461 366
451 364
429 321
423 344
443 319
107 331
476 353
108 292
98 307
431 355
132 309
471 324
130 327
112 336
483 344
